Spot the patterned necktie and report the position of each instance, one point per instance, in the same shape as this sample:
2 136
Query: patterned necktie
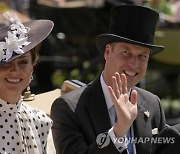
128 135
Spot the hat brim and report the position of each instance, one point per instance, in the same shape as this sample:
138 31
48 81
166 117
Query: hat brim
39 30
104 39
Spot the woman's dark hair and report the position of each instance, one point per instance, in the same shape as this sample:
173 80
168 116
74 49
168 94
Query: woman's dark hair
34 56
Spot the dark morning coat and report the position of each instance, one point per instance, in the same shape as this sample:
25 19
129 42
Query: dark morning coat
79 116
171 136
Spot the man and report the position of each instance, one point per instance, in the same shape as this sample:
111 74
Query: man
171 141
100 118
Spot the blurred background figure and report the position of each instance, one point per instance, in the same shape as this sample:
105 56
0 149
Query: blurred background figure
176 4
165 8
21 6
162 6
140 2
3 5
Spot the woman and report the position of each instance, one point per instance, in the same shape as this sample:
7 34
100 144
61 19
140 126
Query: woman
23 129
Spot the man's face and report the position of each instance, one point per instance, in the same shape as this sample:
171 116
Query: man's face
132 60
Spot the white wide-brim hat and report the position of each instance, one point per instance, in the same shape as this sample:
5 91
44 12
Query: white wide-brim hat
10 39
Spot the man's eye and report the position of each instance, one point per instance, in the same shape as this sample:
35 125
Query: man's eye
125 52
144 57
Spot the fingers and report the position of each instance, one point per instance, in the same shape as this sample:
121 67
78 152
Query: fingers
133 97
113 96
124 84
119 81
116 86
120 87
114 99
119 84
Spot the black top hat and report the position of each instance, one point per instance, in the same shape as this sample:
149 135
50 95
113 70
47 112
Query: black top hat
131 24
19 38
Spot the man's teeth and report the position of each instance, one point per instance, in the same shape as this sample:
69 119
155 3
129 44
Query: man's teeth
130 73
13 80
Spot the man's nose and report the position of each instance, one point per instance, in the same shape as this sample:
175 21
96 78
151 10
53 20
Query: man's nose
134 62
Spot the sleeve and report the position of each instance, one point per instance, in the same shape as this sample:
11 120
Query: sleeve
162 123
120 143
67 134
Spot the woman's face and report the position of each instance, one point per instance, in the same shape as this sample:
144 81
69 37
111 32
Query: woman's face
15 77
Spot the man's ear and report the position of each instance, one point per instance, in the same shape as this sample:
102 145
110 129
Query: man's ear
107 51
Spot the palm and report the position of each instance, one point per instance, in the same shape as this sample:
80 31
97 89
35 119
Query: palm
126 110
125 106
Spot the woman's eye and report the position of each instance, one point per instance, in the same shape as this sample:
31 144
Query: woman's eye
5 65
23 62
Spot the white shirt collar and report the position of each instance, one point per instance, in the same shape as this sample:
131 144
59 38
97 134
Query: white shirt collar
107 96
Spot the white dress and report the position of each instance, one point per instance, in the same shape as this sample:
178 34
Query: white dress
23 129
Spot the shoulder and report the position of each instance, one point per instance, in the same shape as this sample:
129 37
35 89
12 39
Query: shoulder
69 99
37 116
170 131
31 109
172 135
150 100
146 95
83 93
177 127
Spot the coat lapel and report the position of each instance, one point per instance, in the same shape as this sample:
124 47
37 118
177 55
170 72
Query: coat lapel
142 126
100 119
98 109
